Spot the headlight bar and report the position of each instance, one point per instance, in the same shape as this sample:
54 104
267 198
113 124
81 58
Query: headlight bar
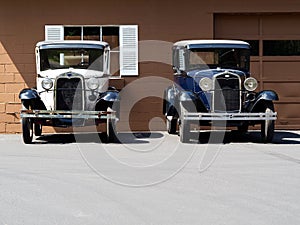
250 84
47 83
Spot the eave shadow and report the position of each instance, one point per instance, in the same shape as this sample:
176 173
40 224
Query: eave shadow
126 138
280 137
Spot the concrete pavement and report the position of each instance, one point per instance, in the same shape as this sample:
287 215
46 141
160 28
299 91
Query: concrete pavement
150 179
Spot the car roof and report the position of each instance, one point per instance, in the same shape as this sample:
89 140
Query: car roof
72 44
190 44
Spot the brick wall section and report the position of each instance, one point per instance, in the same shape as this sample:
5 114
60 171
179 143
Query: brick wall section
11 82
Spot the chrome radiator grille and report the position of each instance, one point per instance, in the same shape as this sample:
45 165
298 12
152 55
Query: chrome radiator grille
227 94
69 94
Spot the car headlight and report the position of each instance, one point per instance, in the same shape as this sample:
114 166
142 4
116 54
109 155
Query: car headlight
93 83
47 83
250 84
206 84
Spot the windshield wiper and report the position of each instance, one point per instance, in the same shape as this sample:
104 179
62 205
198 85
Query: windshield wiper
225 53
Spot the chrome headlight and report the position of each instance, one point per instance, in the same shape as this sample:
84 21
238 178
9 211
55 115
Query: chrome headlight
93 83
47 84
250 84
206 84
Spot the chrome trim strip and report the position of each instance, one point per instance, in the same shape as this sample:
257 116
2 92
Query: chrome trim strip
214 89
74 75
57 114
229 116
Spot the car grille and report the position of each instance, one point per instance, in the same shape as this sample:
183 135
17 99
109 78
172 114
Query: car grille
227 95
69 95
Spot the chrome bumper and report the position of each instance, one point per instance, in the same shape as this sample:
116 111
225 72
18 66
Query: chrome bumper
229 116
60 114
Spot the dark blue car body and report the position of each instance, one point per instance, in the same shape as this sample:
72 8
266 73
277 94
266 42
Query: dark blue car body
213 86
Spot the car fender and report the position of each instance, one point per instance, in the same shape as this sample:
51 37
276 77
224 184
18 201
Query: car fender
109 96
193 102
109 99
267 95
30 98
187 96
28 94
169 105
189 100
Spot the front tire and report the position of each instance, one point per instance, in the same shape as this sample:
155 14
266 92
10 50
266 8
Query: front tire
27 129
268 126
184 127
111 135
37 129
243 129
171 126
184 131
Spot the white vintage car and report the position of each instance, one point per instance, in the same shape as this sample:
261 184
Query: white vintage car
72 89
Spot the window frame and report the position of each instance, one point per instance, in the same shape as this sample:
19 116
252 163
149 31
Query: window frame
131 69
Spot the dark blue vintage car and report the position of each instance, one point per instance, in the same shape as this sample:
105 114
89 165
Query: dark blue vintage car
213 87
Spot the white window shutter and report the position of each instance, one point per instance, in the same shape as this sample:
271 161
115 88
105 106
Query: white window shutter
128 50
54 33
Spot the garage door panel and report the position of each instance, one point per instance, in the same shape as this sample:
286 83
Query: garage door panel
254 69
286 90
287 124
281 26
278 71
288 111
229 27
281 70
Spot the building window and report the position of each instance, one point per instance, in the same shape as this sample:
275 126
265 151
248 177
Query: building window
72 33
281 47
123 41
254 44
91 33
111 35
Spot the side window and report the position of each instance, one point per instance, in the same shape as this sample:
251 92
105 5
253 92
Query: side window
181 59
175 59
178 59
123 41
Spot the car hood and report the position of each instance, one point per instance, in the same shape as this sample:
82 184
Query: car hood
211 72
86 73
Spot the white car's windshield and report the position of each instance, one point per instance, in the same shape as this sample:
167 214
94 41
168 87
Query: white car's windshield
71 57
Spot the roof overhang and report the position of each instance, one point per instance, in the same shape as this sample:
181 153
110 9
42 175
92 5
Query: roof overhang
193 44
71 44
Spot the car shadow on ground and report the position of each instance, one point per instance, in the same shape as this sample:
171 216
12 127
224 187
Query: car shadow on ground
205 137
280 137
125 138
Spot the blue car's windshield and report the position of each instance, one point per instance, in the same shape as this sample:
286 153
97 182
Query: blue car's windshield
211 58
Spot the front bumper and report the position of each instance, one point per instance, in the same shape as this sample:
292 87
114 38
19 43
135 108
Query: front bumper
229 116
62 114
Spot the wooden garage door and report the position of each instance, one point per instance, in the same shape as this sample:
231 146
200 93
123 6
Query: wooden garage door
275 60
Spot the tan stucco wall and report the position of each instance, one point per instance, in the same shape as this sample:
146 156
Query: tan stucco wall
22 25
